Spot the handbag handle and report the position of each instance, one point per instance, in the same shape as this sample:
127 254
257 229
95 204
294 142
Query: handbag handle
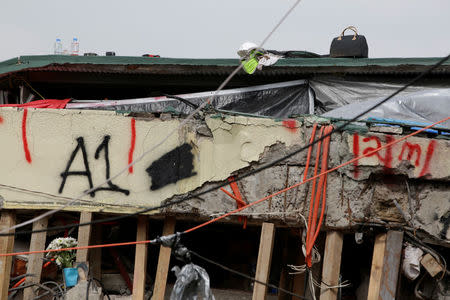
351 28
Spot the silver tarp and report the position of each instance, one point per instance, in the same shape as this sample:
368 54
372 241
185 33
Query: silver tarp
417 105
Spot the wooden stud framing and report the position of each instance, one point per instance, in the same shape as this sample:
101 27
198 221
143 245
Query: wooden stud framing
35 261
8 219
264 260
385 266
163 261
331 264
376 271
391 264
140 261
84 236
95 255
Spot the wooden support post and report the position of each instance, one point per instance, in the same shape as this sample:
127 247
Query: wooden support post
385 266
264 260
35 261
140 261
95 255
84 236
331 264
7 220
163 261
391 264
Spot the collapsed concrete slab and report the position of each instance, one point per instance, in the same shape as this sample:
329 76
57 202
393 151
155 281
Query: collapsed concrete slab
52 156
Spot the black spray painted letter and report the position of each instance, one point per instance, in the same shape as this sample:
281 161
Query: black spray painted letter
86 172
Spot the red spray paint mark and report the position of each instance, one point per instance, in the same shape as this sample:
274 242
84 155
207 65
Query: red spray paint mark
355 154
133 143
387 159
290 124
24 136
428 156
412 148
1 120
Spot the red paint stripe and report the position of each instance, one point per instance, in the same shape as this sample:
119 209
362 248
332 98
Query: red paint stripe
355 154
133 143
429 155
290 124
24 136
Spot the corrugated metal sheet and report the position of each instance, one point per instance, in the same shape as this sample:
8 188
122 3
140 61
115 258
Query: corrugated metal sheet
182 66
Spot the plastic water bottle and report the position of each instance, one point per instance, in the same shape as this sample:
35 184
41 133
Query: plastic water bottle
75 47
58 47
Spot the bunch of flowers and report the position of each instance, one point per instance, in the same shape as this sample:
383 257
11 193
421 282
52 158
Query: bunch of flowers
64 259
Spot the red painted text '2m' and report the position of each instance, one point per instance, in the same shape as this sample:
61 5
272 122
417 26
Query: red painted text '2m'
405 151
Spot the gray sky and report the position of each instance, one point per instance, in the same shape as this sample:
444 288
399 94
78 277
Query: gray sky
213 29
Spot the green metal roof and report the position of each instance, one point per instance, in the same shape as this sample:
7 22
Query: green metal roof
323 64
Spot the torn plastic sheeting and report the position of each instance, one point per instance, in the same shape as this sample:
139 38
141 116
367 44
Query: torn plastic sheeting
425 106
411 262
333 93
191 282
279 100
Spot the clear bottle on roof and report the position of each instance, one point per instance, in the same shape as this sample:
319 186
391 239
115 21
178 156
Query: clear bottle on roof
75 47
58 47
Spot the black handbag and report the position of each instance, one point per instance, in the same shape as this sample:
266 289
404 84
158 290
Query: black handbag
349 45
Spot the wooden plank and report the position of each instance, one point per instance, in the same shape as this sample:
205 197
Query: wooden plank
35 261
391 264
163 261
7 220
84 236
331 264
376 271
140 261
95 255
264 260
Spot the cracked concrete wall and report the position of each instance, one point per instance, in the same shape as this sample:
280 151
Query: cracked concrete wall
71 150
221 146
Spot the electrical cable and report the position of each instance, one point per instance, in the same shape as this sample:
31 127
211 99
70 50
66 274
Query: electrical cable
413 239
184 122
368 153
245 275
184 101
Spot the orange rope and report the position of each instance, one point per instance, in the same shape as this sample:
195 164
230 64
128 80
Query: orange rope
313 191
312 231
368 153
